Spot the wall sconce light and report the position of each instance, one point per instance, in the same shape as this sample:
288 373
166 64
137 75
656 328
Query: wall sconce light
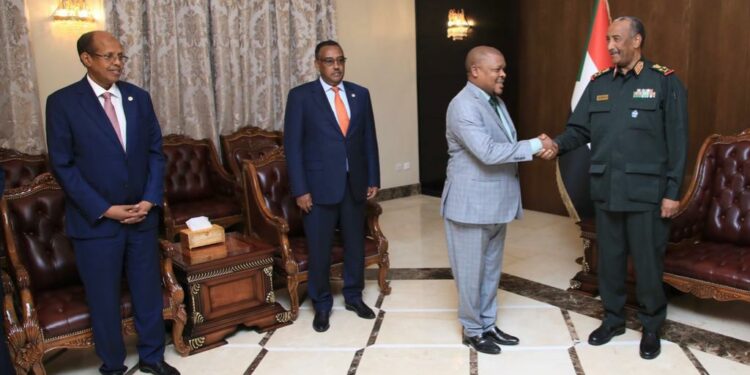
73 10
458 26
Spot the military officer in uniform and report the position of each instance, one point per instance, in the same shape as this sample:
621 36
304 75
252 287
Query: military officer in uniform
635 116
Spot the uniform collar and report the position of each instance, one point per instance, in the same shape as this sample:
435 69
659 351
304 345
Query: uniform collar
636 71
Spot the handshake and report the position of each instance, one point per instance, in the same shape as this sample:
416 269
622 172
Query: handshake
549 148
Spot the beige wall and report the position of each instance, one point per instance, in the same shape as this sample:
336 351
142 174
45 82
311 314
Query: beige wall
54 45
378 38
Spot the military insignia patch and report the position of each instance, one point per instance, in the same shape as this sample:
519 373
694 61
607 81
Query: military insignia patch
599 73
602 98
662 69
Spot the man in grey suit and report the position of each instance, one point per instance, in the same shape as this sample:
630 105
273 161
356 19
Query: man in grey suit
482 194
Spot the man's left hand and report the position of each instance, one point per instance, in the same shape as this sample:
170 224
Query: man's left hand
142 209
669 207
372 191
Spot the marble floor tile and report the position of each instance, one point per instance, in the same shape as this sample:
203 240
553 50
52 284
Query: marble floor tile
225 359
730 318
245 337
536 327
717 365
623 359
554 361
370 295
347 331
508 300
551 269
410 361
421 295
318 362
420 328
86 362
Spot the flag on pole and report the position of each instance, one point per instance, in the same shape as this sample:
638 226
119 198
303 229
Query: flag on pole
572 168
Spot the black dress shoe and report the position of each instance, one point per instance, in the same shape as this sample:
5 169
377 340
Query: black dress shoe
320 322
361 309
650 345
499 337
481 344
604 333
161 368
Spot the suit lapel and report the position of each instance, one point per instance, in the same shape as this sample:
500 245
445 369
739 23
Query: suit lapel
511 126
130 107
325 107
354 106
93 108
485 104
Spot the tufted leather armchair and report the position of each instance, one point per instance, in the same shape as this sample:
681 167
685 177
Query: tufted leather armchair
709 250
20 169
276 219
248 143
197 185
53 311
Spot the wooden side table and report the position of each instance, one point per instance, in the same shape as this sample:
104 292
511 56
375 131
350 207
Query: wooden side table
233 290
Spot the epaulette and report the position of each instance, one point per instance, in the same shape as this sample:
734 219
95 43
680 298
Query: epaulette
597 74
662 69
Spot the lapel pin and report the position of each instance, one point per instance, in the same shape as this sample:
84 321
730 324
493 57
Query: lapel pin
130 98
634 114
353 95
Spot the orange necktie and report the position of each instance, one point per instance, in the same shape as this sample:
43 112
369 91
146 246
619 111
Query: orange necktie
340 111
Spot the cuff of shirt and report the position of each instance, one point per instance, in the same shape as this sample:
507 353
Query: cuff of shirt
536 145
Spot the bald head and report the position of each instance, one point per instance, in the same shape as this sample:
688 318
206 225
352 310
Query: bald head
102 55
485 68
480 54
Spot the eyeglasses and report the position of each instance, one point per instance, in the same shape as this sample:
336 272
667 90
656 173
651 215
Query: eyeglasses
111 57
330 61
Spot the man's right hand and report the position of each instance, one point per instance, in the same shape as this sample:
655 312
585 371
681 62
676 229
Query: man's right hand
124 212
305 202
549 148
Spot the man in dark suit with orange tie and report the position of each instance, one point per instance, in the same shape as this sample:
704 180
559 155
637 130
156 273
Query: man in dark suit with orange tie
104 144
332 156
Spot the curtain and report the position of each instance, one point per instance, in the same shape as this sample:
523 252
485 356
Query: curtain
213 66
20 113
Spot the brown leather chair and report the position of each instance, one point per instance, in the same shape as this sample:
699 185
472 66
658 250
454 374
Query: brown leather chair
277 220
248 143
54 312
20 169
195 184
709 250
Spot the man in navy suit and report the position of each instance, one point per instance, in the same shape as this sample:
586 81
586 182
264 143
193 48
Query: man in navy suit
5 365
332 156
104 144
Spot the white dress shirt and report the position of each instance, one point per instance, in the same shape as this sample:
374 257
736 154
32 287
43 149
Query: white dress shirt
116 98
332 97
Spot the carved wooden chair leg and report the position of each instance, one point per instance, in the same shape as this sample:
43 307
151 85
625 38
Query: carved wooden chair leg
384 266
177 328
292 284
